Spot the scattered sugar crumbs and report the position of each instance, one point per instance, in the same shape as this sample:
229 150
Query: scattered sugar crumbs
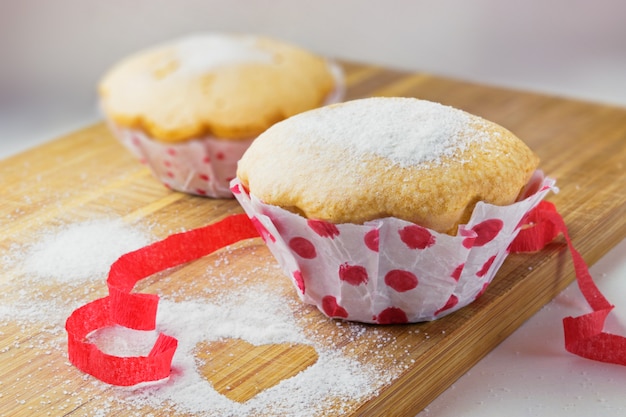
77 256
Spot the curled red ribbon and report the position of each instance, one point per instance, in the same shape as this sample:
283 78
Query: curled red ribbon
584 335
137 310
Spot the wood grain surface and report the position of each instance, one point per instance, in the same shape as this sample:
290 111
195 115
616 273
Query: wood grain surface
87 174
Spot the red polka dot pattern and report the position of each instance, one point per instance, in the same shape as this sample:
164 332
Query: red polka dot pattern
263 232
456 274
487 231
303 247
371 239
236 189
482 290
332 309
400 280
389 271
417 237
451 303
203 166
323 228
392 315
353 274
483 271
297 277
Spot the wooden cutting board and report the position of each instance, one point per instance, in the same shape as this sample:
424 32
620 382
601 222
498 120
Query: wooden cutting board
87 174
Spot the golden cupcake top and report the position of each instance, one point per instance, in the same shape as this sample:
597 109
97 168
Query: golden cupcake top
228 86
387 157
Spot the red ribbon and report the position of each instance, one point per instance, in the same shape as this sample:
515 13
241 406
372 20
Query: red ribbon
138 311
584 335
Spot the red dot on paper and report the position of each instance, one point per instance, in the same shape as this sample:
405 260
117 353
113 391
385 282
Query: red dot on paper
456 274
416 237
170 174
332 309
303 247
297 277
324 229
220 156
265 234
203 177
167 163
482 290
470 237
236 189
401 280
206 159
486 267
392 315
487 231
353 274
200 191
452 301
371 239
171 151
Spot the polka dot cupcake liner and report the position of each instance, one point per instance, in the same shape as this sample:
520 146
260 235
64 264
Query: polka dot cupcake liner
203 166
390 270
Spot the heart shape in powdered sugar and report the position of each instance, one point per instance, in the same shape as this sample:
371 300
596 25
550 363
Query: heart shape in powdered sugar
235 368
240 370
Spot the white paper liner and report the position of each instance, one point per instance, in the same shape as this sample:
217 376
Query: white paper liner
390 270
203 166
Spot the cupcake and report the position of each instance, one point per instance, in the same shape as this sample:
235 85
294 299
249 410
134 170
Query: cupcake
389 210
190 108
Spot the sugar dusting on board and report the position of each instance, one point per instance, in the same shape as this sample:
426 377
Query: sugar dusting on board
253 310
82 251
259 317
407 131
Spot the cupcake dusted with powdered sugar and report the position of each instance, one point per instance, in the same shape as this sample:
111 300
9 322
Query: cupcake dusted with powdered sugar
387 157
388 210
191 107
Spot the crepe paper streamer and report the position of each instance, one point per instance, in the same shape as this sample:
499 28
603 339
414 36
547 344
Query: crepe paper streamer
137 310
584 335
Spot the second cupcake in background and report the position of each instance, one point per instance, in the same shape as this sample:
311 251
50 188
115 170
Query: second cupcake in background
190 108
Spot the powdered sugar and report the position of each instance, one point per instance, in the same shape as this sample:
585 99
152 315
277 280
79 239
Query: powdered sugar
255 310
204 52
259 317
82 251
407 131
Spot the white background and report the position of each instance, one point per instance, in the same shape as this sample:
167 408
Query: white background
52 54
